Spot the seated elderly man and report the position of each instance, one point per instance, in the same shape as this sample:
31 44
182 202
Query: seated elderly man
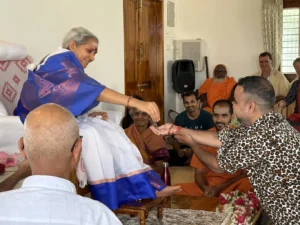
52 146
207 182
280 83
151 146
216 88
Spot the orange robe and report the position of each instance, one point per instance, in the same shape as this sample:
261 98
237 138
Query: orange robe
213 179
152 147
216 91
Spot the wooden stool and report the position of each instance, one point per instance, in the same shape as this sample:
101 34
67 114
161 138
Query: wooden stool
141 208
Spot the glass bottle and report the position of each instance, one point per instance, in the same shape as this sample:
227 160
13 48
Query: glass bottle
165 174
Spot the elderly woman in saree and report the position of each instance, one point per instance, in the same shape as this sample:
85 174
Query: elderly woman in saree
293 96
114 167
151 146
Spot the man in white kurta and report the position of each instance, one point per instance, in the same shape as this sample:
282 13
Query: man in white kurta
52 146
279 82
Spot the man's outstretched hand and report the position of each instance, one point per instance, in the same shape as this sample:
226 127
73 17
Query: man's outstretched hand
185 138
166 129
182 137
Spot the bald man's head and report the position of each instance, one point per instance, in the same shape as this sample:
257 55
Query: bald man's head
50 132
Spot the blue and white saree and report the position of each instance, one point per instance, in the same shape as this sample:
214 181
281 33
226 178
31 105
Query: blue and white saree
114 167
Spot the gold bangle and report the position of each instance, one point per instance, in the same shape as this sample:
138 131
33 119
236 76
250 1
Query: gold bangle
130 97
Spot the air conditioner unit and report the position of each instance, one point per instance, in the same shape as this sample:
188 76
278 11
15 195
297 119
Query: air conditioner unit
189 49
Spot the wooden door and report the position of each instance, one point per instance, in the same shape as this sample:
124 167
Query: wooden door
144 50
131 45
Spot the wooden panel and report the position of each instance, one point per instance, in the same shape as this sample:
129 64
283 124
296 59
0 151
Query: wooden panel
151 66
291 3
130 45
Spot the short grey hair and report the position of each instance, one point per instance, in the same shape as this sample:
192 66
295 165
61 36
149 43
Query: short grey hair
78 34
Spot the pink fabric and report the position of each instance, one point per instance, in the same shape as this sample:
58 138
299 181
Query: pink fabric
8 160
12 76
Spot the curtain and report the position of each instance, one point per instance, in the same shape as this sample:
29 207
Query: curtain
272 29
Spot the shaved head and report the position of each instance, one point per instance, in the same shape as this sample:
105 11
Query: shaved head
50 131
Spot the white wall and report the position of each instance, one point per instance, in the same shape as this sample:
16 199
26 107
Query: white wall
40 25
169 36
231 31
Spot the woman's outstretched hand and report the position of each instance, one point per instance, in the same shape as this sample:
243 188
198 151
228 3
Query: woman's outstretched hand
150 108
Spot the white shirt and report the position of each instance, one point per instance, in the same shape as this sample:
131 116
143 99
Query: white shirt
46 200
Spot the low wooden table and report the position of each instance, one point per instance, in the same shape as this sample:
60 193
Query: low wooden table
142 208
192 202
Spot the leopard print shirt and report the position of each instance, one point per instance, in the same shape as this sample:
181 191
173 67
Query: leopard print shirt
270 152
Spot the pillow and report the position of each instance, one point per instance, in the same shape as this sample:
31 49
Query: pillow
3 111
13 74
11 51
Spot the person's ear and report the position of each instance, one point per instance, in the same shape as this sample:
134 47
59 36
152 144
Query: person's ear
21 148
76 152
72 45
251 106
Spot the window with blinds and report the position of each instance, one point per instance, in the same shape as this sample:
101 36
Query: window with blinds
290 39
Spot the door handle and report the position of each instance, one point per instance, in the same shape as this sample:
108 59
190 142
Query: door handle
142 50
138 54
146 84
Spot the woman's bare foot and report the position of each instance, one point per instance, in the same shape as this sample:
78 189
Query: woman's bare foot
169 190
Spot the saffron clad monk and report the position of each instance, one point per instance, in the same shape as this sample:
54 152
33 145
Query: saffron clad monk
216 88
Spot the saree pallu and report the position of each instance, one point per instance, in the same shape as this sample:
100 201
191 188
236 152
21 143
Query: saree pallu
294 119
114 166
59 79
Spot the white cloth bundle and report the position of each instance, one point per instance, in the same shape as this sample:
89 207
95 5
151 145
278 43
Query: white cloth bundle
11 51
3 111
11 130
107 153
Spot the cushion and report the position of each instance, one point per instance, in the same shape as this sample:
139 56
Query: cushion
12 51
13 74
3 111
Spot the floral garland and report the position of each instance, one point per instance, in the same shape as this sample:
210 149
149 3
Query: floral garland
242 206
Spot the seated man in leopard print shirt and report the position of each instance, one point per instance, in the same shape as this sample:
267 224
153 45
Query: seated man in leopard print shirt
265 145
